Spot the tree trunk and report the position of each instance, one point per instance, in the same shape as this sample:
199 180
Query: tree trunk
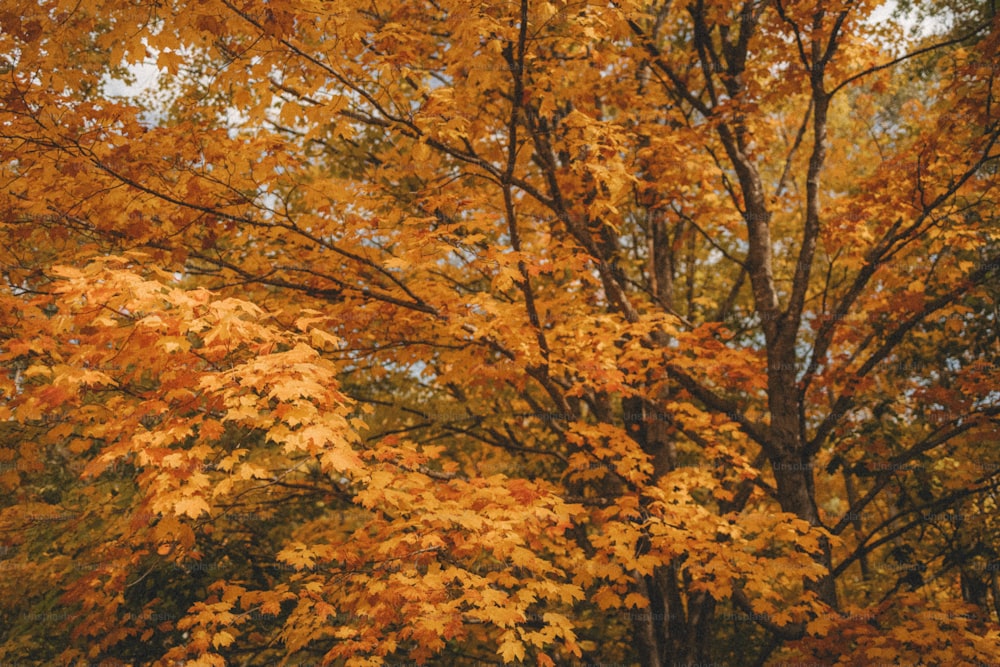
792 466
669 633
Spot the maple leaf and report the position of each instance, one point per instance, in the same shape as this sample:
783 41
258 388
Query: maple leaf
298 556
192 506
511 649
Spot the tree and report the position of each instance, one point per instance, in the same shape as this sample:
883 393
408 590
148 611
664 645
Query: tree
519 331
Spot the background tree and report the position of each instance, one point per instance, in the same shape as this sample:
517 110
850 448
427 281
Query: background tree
513 331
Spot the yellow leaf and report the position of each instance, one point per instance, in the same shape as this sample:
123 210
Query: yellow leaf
170 60
396 263
421 152
222 638
299 556
636 600
322 339
340 459
511 648
193 506
606 598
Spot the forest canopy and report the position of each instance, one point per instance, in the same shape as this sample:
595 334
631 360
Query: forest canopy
499 332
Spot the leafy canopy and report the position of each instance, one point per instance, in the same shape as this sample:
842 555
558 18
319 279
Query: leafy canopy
523 331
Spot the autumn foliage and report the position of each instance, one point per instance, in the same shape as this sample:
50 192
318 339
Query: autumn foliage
535 332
